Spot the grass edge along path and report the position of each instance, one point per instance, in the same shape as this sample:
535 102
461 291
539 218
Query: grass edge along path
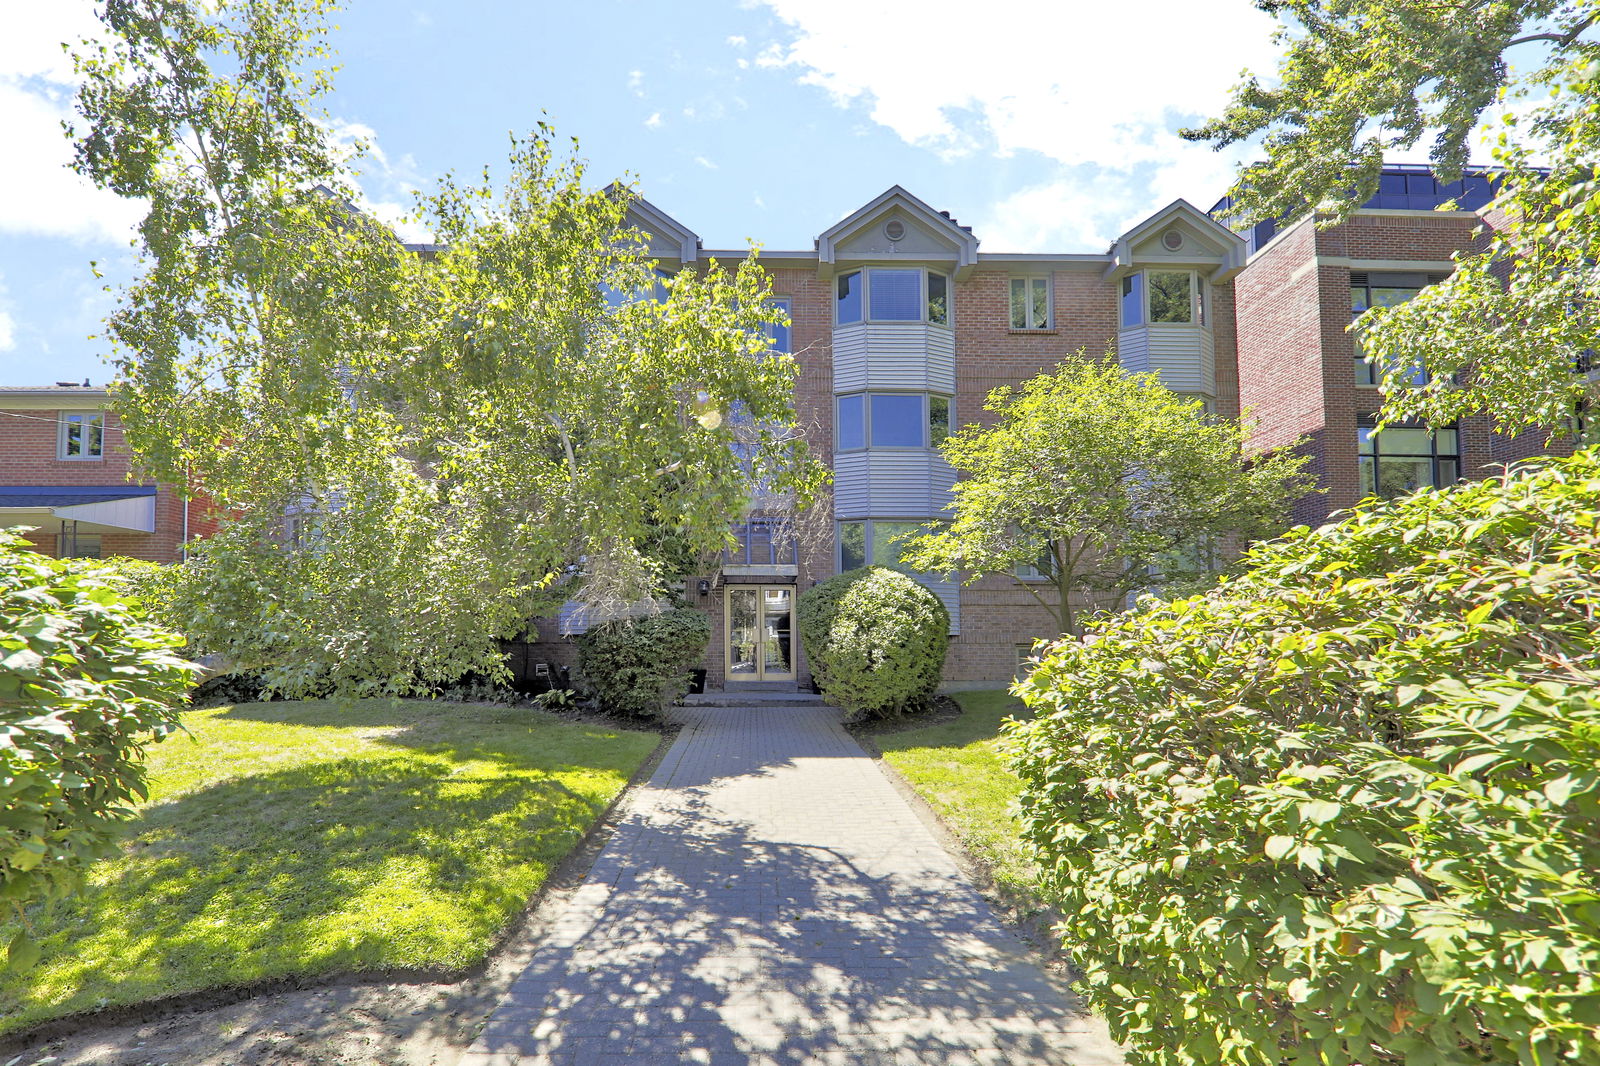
955 767
307 840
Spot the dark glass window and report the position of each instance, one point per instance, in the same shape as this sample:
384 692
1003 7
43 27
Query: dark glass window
1404 457
1377 290
849 298
938 299
778 336
1170 299
894 295
1133 300
852 545
852 425
897 421
938 419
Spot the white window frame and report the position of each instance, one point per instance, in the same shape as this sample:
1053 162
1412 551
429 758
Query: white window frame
67 420
1029 281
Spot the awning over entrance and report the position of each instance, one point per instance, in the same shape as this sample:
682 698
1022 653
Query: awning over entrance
131 507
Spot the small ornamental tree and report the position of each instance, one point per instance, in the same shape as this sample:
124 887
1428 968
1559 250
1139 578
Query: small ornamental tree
1106 483
875 639
635 665
1341 810
85 684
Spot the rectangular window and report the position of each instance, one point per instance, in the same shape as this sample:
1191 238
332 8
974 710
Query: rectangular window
1402 458
1042 568
74 545
849 298
1171 298
897 421
888 542
1030 303
852 545
938 419
1377 290
1133 300
894 295
82 435
938 299
778 336
851 428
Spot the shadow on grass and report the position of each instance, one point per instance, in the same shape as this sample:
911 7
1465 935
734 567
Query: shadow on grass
407 864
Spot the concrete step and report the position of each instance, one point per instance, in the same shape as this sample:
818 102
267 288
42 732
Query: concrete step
741 698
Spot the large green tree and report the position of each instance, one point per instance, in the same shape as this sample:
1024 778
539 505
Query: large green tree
1103 484
413 451
1511 331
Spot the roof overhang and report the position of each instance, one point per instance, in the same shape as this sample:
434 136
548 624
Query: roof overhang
960 247
669 238
1219 250
121 507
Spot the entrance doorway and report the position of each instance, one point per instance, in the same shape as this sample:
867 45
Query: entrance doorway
760 629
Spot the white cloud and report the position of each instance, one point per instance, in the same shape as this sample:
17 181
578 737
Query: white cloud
737 41
39 195
1077 84
654 121
636 82
386 185
703 161
8 325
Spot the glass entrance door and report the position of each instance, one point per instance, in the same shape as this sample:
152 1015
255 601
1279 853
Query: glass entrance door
760 628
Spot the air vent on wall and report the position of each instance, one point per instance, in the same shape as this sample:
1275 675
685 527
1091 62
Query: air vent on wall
894 229
1172 240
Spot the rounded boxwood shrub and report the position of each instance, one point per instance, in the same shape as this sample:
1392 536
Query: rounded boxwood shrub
636 665
86 682
1341 809
876 641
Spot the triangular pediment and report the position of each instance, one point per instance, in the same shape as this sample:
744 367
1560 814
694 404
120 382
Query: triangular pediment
1180 234
897 225
669 240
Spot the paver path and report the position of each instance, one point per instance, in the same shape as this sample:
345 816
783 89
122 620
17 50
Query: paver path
771 898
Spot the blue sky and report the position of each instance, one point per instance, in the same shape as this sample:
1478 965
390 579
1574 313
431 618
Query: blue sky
1046 127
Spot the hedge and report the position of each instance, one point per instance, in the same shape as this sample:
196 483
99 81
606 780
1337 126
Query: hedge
1343 808
634 666
876 641
86 682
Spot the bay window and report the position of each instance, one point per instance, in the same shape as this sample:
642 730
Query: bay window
892 294
891 420
1164 297
879 542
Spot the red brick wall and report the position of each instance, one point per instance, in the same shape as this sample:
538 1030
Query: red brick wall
28 456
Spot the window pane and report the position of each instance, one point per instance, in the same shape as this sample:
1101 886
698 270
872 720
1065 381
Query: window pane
938 299
1019 303
96 428
1382 297
886 546
897 421
1358 299
1445 441
1133 299
1366 373
1368 467
778 336
1200 302
852 545
851 431
1365 442
1396 477
1447 473
1041 305
895 296
1398 441
849 298
1169 296
938 419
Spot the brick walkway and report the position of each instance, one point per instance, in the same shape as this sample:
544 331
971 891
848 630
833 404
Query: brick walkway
769 898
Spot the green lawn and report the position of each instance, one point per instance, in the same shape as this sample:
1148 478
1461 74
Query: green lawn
321 837
954 766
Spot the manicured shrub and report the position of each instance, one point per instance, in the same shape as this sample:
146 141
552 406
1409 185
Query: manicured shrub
85 684
875 639
1342 808
636 665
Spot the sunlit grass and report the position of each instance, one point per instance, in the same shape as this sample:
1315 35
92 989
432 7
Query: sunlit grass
955 767
322 837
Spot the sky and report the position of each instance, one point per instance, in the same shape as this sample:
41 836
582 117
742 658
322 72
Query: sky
1045 127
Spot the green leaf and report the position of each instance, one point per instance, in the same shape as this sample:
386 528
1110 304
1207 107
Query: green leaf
1279 846
22 953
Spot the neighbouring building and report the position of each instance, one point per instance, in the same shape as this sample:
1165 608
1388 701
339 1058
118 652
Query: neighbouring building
901 327
65 471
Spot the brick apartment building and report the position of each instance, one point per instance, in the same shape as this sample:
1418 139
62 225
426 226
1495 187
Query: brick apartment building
64 470
901 327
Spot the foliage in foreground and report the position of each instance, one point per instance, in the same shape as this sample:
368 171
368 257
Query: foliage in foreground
86 684
875 639
1107 483
459 439
637 665
311 839
1342 809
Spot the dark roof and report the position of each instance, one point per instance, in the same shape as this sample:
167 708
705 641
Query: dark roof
69 495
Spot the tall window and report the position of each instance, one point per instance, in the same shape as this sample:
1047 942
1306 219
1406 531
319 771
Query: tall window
892 294
1405 457
1030 303
891 420
82 435
1133 300
779 337
1381 290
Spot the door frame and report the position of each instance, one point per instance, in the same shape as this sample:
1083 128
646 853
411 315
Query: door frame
761 673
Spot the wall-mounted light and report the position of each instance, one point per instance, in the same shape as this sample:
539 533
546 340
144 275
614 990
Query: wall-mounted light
705 587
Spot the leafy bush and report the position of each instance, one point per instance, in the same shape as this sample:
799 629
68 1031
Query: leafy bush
875 639
636 665
1342 809
85 684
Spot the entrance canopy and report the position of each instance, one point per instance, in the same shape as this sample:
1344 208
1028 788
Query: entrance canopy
95 507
